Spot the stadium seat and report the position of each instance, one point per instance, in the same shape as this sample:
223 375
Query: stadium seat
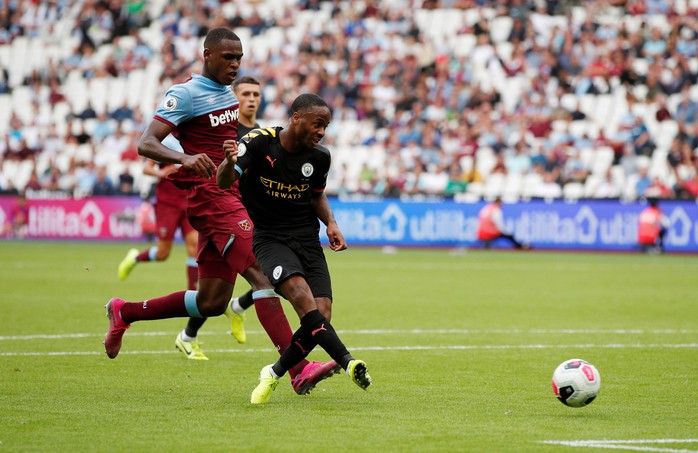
587 104
500 27
659 165
603 160
573 191
629 191
475 188
485 160
511 189
666 133
505 50
22 103
618 175
5 99
25 169
116 87
604 109
493 185
590 185
19 50
532 183
463 45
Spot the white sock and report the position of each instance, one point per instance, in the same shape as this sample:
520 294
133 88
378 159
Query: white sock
186 337
271 371
235 306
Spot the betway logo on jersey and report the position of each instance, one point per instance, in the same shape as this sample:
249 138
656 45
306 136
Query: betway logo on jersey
228 116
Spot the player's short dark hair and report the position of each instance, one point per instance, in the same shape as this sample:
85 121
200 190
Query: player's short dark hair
215 36
306 101
245 79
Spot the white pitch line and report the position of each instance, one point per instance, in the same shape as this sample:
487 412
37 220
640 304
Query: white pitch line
379 348
626 444
384 332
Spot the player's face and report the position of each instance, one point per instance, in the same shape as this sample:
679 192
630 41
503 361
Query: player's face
312 124
250 96
222 61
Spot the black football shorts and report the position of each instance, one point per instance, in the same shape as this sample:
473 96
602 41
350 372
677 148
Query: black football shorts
282 255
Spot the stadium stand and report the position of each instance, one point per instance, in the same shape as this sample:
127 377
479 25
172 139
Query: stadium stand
546 99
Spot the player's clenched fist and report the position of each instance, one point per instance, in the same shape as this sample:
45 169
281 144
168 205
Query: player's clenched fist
201 164
230 150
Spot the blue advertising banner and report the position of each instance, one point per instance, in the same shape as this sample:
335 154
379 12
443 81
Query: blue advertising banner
585 225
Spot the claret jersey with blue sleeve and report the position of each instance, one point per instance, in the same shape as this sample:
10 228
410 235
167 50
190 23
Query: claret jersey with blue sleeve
203 114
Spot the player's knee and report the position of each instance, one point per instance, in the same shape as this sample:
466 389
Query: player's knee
162 255
210 309
324 304
211 306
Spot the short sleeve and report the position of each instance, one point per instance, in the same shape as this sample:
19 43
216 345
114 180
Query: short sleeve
245 149
176 108
324 162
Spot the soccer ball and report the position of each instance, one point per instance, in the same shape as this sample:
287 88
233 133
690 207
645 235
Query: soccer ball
576 382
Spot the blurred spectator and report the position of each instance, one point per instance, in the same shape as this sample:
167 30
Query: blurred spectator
4 80
126 182
655 46
574 170
689 189
116 144
78 134
456 183
662 112
102 128
607 187
130 154
687 109
33 184
640 138
102 185
518 162
19 218
643 181
86 175
658 189
68 180
55 95
88 112
123 112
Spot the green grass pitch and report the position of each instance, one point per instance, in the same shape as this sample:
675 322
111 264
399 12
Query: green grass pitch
461 348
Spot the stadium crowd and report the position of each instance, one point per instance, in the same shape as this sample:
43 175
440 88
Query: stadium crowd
469 99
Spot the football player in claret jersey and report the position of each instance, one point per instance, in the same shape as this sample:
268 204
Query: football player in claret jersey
201 113
285 176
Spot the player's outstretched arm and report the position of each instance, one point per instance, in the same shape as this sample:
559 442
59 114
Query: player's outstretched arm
226 174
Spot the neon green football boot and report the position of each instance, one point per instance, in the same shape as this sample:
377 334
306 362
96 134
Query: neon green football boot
267 384
191 349
237 324
127 264
359 374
